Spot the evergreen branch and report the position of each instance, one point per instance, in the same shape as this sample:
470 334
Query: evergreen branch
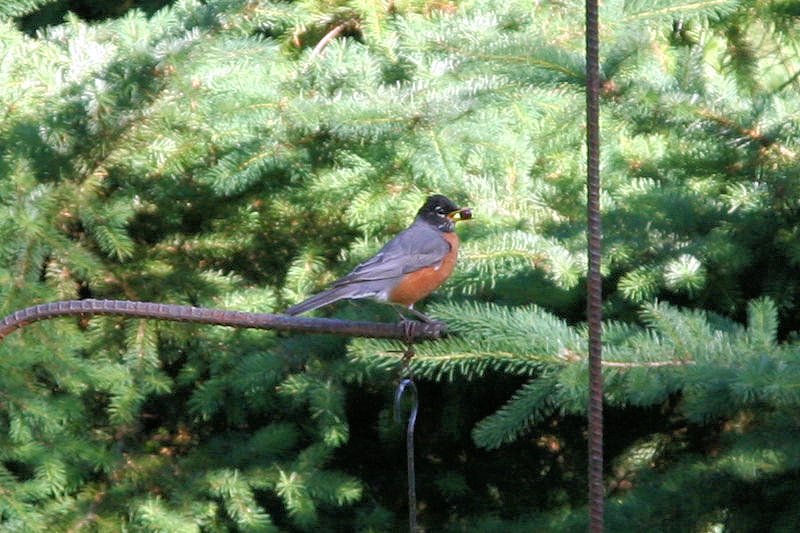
792 79
647 364
572 357
530 404
21 8
410 331
469 356
438 149
762 323
671 9
752 134
448 361
566 357
328 37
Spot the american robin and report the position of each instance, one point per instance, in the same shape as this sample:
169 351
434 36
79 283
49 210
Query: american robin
407 268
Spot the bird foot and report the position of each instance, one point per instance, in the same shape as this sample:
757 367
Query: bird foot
420 317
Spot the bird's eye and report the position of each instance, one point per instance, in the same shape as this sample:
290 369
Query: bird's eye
439 209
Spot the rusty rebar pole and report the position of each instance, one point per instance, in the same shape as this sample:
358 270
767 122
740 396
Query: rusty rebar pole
240 319
594 312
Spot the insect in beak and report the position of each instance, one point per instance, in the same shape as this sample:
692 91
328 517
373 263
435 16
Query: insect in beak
465 213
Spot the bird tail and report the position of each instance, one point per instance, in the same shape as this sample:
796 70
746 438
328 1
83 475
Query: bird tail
318 300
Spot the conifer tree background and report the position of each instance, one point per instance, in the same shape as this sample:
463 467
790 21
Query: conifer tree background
243 154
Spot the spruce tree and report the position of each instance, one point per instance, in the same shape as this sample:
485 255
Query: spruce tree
244 154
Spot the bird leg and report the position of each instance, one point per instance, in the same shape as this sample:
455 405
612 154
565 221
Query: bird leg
420 316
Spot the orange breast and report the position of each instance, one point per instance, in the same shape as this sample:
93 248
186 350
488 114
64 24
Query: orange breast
420 283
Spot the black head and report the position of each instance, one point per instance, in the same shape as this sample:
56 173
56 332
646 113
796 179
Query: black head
440 211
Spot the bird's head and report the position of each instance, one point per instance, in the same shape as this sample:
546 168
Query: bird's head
440 211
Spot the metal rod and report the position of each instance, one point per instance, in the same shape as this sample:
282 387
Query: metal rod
412 420
594 309
220 317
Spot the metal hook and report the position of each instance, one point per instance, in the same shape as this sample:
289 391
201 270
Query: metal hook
405 384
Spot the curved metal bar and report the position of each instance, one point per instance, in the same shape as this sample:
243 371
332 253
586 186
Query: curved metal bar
220 317
412 420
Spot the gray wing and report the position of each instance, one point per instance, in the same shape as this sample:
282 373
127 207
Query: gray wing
419 246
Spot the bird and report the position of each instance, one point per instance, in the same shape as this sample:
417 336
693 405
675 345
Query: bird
408 268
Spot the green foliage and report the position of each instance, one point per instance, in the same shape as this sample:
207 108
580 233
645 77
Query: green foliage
243 154
19 8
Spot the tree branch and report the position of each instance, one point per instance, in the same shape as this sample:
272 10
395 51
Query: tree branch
573 357
647 364
410 330
328 37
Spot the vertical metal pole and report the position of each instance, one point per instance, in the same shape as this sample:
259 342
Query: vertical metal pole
594 281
